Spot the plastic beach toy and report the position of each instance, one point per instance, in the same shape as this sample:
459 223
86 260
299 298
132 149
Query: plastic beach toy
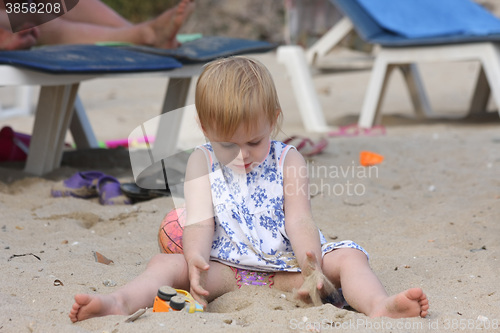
171 230
368 158
170 299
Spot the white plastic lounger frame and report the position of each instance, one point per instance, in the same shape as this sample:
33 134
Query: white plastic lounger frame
406 58
22 106
329 40
56 104
294 59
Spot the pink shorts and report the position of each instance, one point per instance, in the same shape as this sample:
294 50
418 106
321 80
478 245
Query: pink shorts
253 278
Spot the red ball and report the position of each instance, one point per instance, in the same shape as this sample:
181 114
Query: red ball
171 229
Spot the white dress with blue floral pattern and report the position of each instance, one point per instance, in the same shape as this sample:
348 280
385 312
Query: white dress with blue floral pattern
249 216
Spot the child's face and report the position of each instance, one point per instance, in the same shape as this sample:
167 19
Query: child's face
246 149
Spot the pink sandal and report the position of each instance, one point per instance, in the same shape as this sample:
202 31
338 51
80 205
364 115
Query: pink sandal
306 146
355 130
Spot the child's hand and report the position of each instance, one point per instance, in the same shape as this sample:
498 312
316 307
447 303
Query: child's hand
197 266
313 279
313 265
316 285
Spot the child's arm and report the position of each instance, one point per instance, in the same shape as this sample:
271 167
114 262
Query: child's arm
199 229
299 224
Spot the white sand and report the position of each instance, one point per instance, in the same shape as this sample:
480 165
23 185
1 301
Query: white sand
428 216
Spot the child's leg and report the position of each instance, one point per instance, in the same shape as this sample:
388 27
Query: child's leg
349 269
138 293
163 269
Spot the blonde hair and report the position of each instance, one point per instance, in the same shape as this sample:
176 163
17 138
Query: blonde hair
234 91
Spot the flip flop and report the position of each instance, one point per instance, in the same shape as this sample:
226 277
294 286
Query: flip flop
108 189
355 130
306 146
80 185
133 191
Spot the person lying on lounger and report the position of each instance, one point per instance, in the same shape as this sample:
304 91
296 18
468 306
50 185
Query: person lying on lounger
92 21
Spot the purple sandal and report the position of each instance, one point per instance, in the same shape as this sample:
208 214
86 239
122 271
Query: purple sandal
80 185
108 189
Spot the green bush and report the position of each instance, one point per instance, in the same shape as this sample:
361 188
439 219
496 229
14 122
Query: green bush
139 11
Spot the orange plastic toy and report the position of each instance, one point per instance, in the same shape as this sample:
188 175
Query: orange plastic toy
368 158
170 299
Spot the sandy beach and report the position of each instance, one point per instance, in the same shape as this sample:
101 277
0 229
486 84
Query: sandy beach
428 215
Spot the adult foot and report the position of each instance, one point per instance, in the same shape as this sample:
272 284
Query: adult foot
19 40
163 29
89 306
409 303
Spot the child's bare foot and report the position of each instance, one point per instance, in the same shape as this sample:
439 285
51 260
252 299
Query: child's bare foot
409 303
163 29
89 306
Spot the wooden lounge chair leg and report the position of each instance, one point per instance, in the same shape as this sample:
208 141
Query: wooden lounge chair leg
53 115
416 88
375 92
481 94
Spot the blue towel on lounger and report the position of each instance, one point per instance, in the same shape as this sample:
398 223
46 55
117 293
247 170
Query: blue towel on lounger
432 18
208 48
86 59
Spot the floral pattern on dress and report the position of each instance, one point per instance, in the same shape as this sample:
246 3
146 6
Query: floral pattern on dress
249 215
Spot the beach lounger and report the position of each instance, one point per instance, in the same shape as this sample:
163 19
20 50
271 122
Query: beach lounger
60 69
294 59
414 31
